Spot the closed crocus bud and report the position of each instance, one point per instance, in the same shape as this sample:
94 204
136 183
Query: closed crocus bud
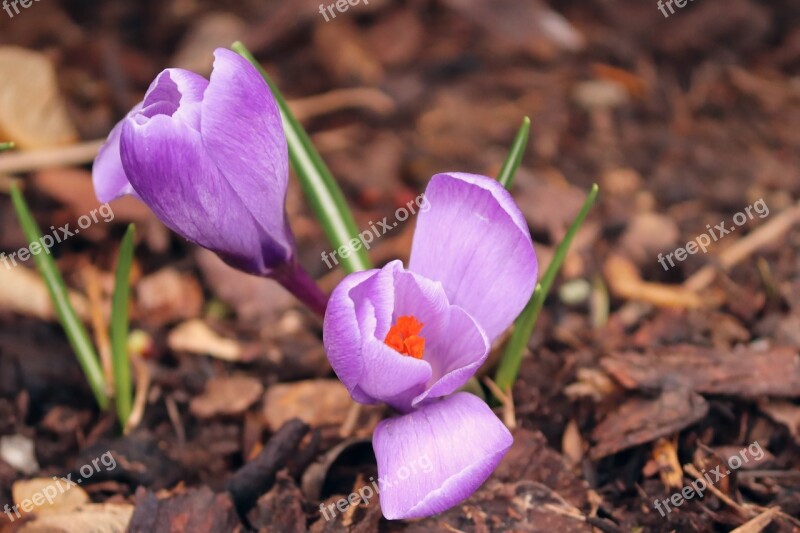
210 159
409 337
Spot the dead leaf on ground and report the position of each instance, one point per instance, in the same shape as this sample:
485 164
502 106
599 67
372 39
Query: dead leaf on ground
254 299
227 396
784 413
665 456
50 496
32 112
649 234
108 518
195 336
23 291
167 296
318 402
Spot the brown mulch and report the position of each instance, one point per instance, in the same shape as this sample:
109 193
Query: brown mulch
632 375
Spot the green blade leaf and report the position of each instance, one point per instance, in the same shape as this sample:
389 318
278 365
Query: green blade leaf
119 328
6 146
514 158
321 190
523 326
73 327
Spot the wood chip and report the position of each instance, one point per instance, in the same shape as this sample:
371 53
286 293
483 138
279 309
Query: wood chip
744 373
642 420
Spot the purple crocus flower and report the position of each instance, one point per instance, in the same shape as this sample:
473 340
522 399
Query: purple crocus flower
210 159
409 337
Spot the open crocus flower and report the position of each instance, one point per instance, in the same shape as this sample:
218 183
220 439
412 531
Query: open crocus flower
408 337
210 159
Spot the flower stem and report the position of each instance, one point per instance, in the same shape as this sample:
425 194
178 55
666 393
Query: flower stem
296 280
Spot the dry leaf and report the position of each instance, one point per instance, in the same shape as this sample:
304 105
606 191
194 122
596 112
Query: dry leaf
227 396
18 451
168 295
23 291
784 413
316 402
32 113
572 444
195 336
92 518
58 496
665 455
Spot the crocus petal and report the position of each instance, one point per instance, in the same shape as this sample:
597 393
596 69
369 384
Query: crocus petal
474 240
169 169
108 176
437 456
176 93
243 134
360 313
341 334
456 355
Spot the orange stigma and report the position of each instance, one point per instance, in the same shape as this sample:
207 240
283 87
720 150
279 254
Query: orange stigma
404 337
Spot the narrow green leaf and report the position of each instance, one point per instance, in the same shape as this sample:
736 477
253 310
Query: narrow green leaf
321 190
523 327
6 146
506 176
73 327
119 329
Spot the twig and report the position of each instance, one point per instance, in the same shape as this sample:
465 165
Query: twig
743 248
99 325
358 97
349 424
506 400
759 522
742 510
140 400
257 477
26 161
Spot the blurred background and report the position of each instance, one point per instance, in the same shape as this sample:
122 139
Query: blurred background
634 370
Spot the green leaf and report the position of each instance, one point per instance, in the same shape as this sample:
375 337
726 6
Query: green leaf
321 190
523 327
119 328
506 176
73 327
6 146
